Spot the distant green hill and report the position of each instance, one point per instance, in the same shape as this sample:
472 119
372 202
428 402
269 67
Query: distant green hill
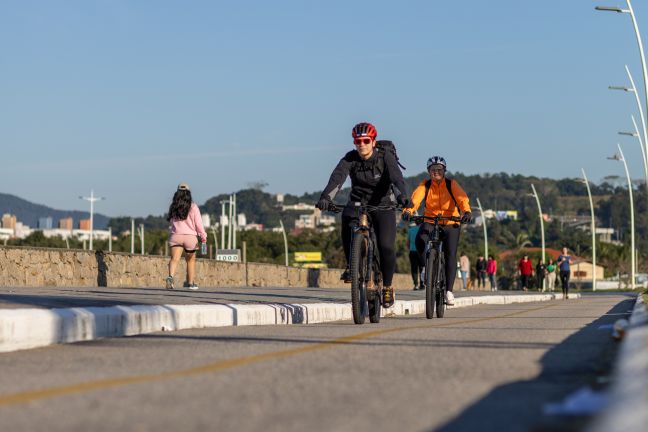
496 191
28 212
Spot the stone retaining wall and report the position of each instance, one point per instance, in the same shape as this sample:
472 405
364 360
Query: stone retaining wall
22 266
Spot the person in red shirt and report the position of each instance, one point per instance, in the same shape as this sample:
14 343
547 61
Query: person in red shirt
491 269
525 270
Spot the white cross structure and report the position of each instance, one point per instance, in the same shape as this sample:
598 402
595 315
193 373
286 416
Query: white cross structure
92 200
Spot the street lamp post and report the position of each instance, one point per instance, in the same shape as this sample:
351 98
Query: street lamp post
620 157
633 89
593 229
630 11
542 234
92 200
481 212
637 135
283 231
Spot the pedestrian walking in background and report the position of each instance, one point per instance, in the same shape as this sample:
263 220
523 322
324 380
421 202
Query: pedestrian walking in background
541 272
186 227
464 269
564 261
491 270
525 270
480 267
416 267
551 275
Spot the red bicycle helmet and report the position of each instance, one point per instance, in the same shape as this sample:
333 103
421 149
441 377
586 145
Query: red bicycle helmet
364 130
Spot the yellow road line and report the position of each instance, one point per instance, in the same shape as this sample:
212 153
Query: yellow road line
33 395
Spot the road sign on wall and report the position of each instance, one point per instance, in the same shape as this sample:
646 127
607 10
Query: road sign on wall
228 255
308 256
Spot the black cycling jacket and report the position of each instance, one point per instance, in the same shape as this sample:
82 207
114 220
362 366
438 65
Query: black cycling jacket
371 179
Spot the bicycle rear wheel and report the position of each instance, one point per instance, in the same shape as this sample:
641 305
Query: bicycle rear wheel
430 286
358 268
440 282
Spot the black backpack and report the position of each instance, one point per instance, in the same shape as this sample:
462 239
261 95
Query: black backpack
388 146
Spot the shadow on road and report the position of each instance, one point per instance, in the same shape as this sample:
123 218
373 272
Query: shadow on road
48 302
576 362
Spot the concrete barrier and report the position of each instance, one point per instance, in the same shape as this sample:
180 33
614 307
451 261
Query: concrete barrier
38 267
32 328
626 411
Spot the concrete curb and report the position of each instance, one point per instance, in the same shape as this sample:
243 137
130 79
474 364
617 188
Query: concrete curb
32 328
629 393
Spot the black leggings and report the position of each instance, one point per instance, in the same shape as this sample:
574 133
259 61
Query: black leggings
384 225
415 267
564 279
450 240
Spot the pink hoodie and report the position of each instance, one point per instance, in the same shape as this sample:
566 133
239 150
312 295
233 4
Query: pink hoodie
190 226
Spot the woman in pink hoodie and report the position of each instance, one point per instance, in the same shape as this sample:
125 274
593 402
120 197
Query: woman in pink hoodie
186 227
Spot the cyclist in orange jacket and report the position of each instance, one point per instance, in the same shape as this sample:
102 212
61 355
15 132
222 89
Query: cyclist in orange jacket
442 196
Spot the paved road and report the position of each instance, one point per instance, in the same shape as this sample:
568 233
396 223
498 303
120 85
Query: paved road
51 297
480 368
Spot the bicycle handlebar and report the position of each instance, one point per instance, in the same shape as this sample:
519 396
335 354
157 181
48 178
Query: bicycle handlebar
337 208
435 219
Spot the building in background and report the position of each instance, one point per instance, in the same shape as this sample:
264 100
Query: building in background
45 222
66 224
9 221
206 220
84 224
21 231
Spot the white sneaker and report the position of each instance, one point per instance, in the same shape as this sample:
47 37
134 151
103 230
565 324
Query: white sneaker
449 297
193 287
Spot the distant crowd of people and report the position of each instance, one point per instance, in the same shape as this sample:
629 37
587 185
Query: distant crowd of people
543 275
546 274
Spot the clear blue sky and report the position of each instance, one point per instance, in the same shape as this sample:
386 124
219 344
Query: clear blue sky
133 97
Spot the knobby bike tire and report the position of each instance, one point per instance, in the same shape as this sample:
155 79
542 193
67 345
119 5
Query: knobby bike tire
441 288
358 269
374 309
430 286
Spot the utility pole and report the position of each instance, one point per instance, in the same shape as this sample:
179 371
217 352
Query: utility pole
142 238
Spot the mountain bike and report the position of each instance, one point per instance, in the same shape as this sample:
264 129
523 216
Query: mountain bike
364 265
435 277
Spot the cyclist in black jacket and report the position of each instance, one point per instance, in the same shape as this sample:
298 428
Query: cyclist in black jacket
376 179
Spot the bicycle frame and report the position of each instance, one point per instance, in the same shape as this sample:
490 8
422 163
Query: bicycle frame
436 282
366 288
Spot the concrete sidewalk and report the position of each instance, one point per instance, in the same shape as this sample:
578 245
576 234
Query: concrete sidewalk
29 320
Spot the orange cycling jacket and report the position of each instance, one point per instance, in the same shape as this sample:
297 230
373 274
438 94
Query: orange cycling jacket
439 200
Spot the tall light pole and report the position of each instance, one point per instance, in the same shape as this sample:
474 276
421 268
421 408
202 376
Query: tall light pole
592 228
619 157
222 223
641 51
637 135
283 231
92 200
481 213
542 234
633 89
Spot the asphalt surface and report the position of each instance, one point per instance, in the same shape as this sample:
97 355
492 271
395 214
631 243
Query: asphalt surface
480 368
52 297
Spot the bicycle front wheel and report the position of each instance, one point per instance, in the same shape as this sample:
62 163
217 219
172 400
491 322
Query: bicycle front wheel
430 286
359 268
440 282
